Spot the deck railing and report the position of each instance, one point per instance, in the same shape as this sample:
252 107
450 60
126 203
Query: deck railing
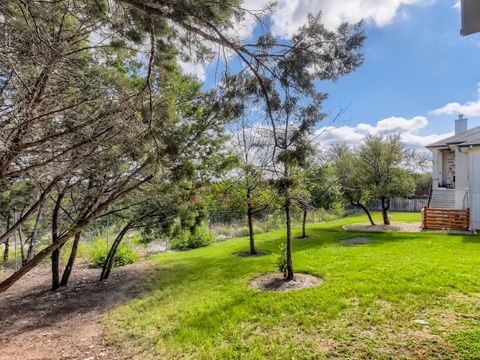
446 219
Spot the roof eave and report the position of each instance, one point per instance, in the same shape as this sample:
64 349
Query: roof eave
468 145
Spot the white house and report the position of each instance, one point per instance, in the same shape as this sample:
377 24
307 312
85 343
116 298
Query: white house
456 171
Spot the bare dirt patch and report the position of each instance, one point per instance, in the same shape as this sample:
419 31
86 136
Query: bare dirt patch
356 241
246 253
36 323
276 282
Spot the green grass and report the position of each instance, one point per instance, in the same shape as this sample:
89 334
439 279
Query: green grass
198 304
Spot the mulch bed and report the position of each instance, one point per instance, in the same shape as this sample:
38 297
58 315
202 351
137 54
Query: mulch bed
246 253
394 226
397 226
274 281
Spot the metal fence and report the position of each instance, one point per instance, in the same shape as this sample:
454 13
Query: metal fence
229 217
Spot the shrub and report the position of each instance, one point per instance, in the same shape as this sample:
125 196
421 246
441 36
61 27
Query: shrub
143 238
338 210
281 260
180 241
124 255
184 239
136 239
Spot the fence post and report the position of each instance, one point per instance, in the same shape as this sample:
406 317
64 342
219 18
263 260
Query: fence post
424 216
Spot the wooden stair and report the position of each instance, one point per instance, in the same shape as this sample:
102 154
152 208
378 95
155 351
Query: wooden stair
443 199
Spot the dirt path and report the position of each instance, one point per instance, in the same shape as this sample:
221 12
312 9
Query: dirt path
36 323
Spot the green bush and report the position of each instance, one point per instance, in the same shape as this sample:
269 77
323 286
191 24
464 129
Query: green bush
180 241
141 239
124 255
184 239
281 260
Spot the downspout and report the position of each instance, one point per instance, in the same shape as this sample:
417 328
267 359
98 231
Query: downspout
466 197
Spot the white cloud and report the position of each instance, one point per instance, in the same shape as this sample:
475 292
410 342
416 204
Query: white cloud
191 68
353 135
245 27
290 14
471 108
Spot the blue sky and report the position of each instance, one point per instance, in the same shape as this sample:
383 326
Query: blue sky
413 65
418 74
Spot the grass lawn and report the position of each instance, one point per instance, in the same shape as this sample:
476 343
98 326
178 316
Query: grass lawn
198 304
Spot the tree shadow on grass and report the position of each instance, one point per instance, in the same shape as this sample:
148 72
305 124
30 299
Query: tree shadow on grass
471 239
319 237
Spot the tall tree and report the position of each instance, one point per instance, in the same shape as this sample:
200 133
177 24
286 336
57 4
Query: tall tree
297 109
251 185
89 90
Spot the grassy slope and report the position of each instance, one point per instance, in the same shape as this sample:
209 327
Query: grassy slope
198 304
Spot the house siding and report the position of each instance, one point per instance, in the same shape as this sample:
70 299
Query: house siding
461 180
474 180
437 167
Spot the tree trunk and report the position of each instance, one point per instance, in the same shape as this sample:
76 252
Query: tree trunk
6 250
253 250
304 223
7 243
107 266
22 244
368 214
385 207
35 232
290 275
56 252
37 259
71 260
364 208
56 269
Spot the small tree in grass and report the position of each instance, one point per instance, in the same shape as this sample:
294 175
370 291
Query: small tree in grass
293 104
321 190
252 187
354 190
383 169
